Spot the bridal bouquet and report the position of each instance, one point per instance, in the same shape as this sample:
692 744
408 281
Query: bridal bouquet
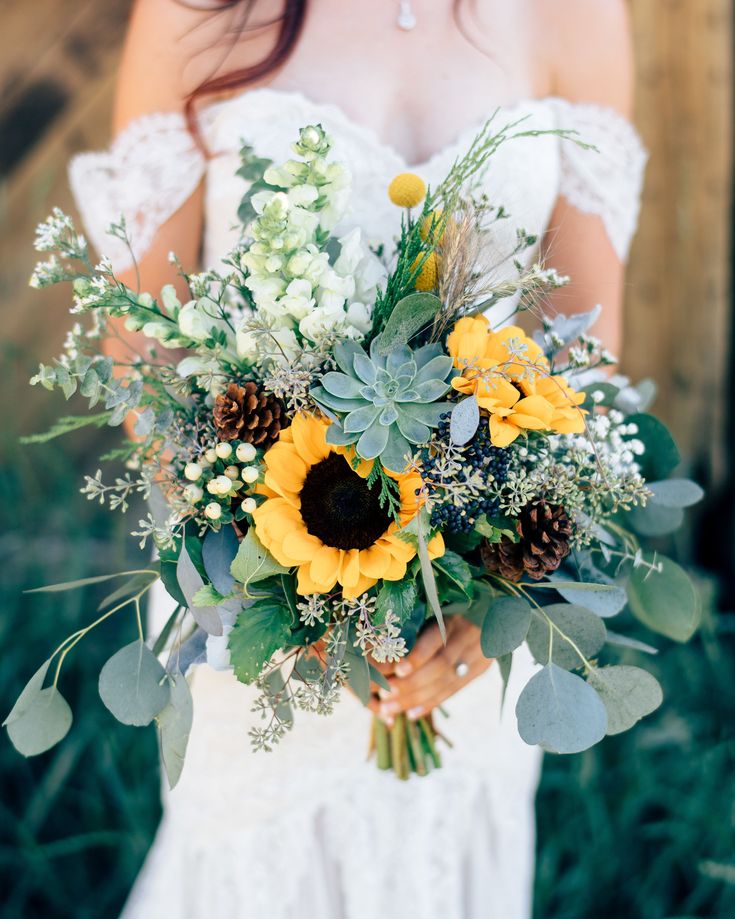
338 447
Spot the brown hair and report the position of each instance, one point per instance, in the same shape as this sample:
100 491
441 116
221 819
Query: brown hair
290 23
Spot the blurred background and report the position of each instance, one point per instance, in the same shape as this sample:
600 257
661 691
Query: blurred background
640 827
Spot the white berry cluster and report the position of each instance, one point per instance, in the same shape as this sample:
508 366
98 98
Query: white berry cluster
218 477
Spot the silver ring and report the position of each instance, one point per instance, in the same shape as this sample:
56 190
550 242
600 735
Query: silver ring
461 668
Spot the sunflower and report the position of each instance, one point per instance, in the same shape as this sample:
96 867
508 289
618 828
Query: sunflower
511 378
321 516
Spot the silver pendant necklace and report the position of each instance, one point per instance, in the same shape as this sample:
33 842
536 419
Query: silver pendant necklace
406 18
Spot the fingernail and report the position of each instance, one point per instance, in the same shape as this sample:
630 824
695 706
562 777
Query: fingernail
415 713
403 669
384 693
388 709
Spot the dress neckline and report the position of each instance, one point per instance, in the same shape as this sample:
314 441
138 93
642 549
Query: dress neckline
367 134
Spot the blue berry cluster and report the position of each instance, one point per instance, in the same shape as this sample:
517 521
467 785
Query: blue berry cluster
478 454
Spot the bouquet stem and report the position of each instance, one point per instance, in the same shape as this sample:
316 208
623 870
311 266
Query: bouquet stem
407 746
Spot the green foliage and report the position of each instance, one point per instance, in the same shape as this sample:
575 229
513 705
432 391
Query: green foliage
254 563
505 626
560 711
565 630
261 629
411 315
628 694
174 725
664 600
40 718
67 424
662 454
133 686
397 596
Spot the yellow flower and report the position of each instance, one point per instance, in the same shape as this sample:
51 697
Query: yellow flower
407 190
510 376
320 516
431 225
427 277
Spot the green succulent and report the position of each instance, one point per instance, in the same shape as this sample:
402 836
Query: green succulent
385 403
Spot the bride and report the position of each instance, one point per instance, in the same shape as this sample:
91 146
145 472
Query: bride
312 829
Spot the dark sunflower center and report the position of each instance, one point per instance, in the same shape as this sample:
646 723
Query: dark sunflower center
339 508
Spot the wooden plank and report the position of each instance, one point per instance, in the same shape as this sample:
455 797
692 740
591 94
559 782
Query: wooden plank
678 306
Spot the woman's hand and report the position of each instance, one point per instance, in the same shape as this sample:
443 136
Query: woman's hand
432 672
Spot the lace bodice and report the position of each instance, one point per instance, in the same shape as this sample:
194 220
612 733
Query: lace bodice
154 165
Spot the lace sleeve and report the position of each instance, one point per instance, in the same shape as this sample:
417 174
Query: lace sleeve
147 173
609 182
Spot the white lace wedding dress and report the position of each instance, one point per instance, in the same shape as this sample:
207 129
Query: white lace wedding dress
314 829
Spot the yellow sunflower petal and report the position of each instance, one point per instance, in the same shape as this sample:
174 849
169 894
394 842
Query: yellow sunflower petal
396 570
533 412
301 546
325 565
436 546
364 583
375 561
349 569
306 585
309 438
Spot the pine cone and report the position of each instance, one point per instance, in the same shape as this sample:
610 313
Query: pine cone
249 414
544 530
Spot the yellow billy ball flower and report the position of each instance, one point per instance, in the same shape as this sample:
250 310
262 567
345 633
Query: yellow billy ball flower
407 190
429 273
431 225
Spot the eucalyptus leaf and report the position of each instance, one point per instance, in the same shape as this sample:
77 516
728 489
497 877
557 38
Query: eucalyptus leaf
560 712
190 582
174 726
73 585
133 685
664 600
40 717
253 562
456 570
604 600
464 421
675 492
661 455
582 626
624 641
45 721
628 694
654 519
505 626
218 551
505 664
377 677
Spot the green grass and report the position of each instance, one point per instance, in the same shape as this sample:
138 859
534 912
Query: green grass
641 827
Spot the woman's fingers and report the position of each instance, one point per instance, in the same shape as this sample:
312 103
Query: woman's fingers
428 696
428 644
458 641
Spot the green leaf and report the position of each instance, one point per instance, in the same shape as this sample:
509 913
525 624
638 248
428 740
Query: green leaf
427 574
398 596
582 626
207 595
253 562
66 425
218 551
662 455
190 582
464 421
73 585
40 718
602 599
628 694
133 685
495 528
560 712
665 601
655 519
129 589
174 726
505 664
409 316
377 677
505 626
261 629
358 675
623 641
675 492
456 570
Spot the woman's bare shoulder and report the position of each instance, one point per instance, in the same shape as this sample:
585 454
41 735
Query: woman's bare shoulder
590 53
172 46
